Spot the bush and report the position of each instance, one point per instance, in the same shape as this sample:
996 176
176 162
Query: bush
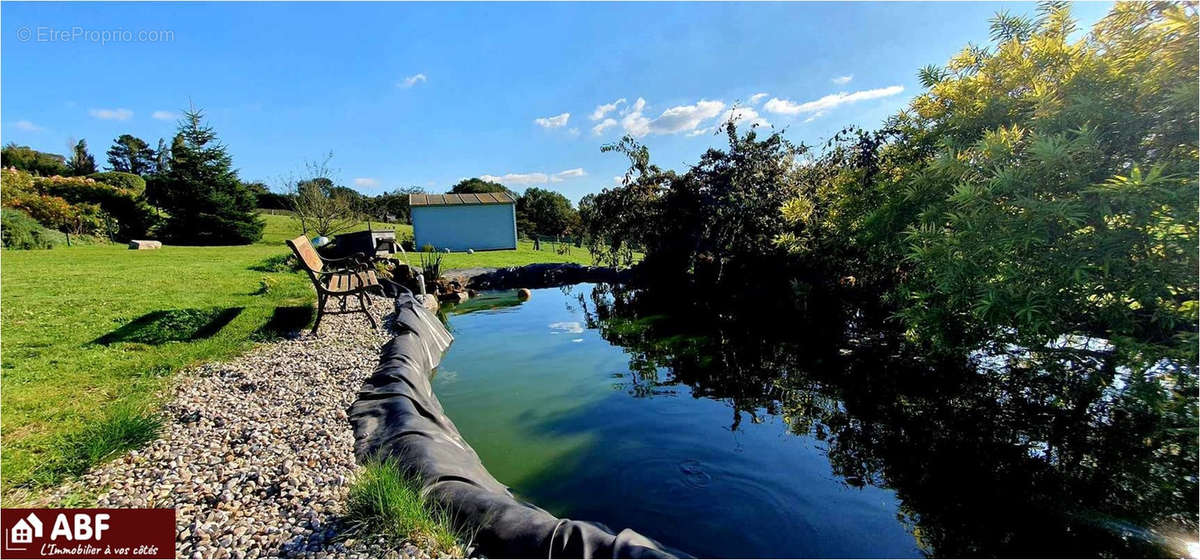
20 231
14 184
133 216
121 180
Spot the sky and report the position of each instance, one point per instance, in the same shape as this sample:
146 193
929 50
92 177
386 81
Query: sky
428 94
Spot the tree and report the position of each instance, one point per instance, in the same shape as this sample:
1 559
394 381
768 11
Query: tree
322 207
132 155
394 205
545 212
33 161
81 162
206 202
476 185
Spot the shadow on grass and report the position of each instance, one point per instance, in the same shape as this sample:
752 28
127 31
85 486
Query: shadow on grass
174 325
124 428
285 322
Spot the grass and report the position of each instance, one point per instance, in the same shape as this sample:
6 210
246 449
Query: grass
383 501
91 331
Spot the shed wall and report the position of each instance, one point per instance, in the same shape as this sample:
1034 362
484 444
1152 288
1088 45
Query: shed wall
465 226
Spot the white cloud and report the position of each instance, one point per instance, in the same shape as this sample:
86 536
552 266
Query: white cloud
553 122
27 126
567 174
366 182
534 178
412 81
111 114
842 80
698 132
786 107
754 99
604 124
682 118
165 115
743 117
605 109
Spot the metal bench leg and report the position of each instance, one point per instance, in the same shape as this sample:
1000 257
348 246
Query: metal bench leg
363 304
320 312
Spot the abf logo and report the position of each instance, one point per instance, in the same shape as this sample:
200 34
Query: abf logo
79 527
26 529
87 533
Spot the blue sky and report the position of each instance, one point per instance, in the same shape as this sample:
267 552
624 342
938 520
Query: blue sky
427 94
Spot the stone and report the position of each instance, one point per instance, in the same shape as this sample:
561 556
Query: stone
454 297
524 294
141 245
430 302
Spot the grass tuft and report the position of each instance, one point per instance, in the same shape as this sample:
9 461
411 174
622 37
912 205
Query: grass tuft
124 428
385 501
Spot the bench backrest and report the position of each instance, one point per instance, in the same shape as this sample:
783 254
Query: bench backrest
306 253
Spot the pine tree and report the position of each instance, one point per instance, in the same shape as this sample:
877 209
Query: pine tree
81 162
207 203
131 154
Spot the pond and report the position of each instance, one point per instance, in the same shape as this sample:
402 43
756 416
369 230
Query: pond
757 438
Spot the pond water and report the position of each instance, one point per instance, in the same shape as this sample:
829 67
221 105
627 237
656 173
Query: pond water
759 440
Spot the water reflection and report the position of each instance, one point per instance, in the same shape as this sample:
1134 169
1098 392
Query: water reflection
1008 460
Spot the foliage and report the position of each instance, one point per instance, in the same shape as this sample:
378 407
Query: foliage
33 161
545 212
206 203
477 185
722 214
130 154
267 199
14 184
322 207
617 221
20 231
386 502
393 206
81 162
133 217
56 213
121 180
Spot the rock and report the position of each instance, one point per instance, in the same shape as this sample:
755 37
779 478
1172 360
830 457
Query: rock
454 297
470 251
430 302
524 294
139 245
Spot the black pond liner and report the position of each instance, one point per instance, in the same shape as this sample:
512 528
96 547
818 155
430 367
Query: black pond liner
397 415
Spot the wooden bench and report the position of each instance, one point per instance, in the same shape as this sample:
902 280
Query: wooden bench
344 278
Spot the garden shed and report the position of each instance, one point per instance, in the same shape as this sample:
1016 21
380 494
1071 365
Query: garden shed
464 221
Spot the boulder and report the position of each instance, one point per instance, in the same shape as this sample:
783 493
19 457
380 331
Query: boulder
524 294
430 302
139 245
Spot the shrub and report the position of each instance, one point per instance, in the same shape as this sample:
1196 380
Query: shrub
20 231
33 161
14 184
133 216
121 180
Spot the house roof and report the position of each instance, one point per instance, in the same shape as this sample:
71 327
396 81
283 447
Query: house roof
459 199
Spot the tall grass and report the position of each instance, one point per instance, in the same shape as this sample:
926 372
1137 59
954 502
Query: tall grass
125 427
385 501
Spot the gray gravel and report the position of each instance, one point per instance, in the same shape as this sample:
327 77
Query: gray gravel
256 454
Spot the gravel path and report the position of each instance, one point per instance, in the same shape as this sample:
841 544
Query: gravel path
256 454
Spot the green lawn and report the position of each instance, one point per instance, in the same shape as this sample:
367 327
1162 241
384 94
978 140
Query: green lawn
92 333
